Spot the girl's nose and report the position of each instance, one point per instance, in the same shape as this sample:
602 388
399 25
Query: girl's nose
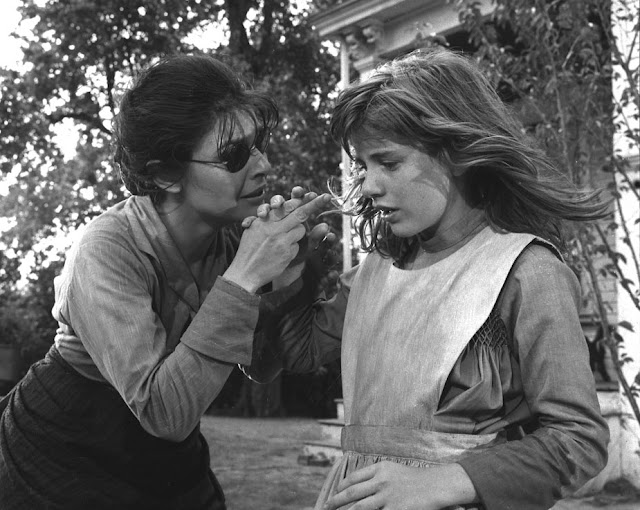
371 186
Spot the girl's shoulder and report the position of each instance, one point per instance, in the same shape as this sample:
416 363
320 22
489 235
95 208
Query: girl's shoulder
539 257
539 274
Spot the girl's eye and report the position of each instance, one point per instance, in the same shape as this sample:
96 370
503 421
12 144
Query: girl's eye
389 165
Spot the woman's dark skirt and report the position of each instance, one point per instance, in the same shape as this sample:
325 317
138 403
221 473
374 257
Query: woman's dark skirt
67 442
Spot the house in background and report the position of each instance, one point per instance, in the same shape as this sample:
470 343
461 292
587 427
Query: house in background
370 32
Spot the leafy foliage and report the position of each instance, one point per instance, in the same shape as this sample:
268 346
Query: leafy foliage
78 57
563 66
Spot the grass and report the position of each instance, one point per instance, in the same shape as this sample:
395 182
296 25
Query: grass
256 461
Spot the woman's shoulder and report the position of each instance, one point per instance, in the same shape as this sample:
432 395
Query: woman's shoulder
108 235
114 225
107 246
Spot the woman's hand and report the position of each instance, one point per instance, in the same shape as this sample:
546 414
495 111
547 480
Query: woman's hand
391 486
316 256
278 207
271 241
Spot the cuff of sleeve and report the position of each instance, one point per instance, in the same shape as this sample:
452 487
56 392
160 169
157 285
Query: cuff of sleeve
500 485
224 326
277 299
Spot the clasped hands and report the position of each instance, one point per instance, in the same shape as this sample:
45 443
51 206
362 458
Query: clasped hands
275 245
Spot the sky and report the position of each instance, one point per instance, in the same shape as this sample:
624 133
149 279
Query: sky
11 57
10 54
9 47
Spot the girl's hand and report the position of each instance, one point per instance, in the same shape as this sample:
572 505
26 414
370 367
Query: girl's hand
270 242
316 258
391 486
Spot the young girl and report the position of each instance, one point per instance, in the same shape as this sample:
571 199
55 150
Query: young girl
466 377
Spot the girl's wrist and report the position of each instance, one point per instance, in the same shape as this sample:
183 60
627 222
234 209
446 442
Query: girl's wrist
465 486
460 489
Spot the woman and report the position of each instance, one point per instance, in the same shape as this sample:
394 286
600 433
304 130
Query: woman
157 302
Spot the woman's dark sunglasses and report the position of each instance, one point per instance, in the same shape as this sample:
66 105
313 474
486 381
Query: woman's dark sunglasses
235 155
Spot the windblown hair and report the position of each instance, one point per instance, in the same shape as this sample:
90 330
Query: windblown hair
439 102
171 106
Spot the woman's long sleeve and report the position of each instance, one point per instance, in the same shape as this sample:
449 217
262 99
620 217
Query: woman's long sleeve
106 300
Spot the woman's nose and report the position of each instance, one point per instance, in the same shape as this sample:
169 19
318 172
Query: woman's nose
261 163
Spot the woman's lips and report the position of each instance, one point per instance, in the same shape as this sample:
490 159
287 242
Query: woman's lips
257 193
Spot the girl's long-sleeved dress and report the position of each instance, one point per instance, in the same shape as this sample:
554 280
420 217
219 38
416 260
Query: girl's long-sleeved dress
478 359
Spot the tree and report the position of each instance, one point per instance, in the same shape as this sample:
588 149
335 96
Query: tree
79 56
558 62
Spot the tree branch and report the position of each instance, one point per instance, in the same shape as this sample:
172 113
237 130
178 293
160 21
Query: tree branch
606 329
85 117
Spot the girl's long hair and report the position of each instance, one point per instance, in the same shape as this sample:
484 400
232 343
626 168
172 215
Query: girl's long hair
439 102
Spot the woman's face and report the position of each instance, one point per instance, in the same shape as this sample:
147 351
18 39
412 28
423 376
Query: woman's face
217 195
414 192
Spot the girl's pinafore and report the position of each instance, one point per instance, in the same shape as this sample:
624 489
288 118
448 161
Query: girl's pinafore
404 331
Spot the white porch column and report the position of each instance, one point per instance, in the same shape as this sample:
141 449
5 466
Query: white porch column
627 214
346 162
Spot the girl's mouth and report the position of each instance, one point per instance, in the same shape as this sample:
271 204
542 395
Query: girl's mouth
385 212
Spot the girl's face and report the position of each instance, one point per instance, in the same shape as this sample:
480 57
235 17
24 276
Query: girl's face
414 192
217 195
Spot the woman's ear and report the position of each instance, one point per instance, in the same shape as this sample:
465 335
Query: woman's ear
168 185
163 179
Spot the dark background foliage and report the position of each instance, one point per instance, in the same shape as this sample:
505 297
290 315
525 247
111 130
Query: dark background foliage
552 60
78 57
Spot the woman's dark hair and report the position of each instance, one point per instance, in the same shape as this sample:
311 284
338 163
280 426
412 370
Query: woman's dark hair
171 106
440 102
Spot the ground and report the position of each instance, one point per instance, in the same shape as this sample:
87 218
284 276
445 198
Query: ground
256 462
